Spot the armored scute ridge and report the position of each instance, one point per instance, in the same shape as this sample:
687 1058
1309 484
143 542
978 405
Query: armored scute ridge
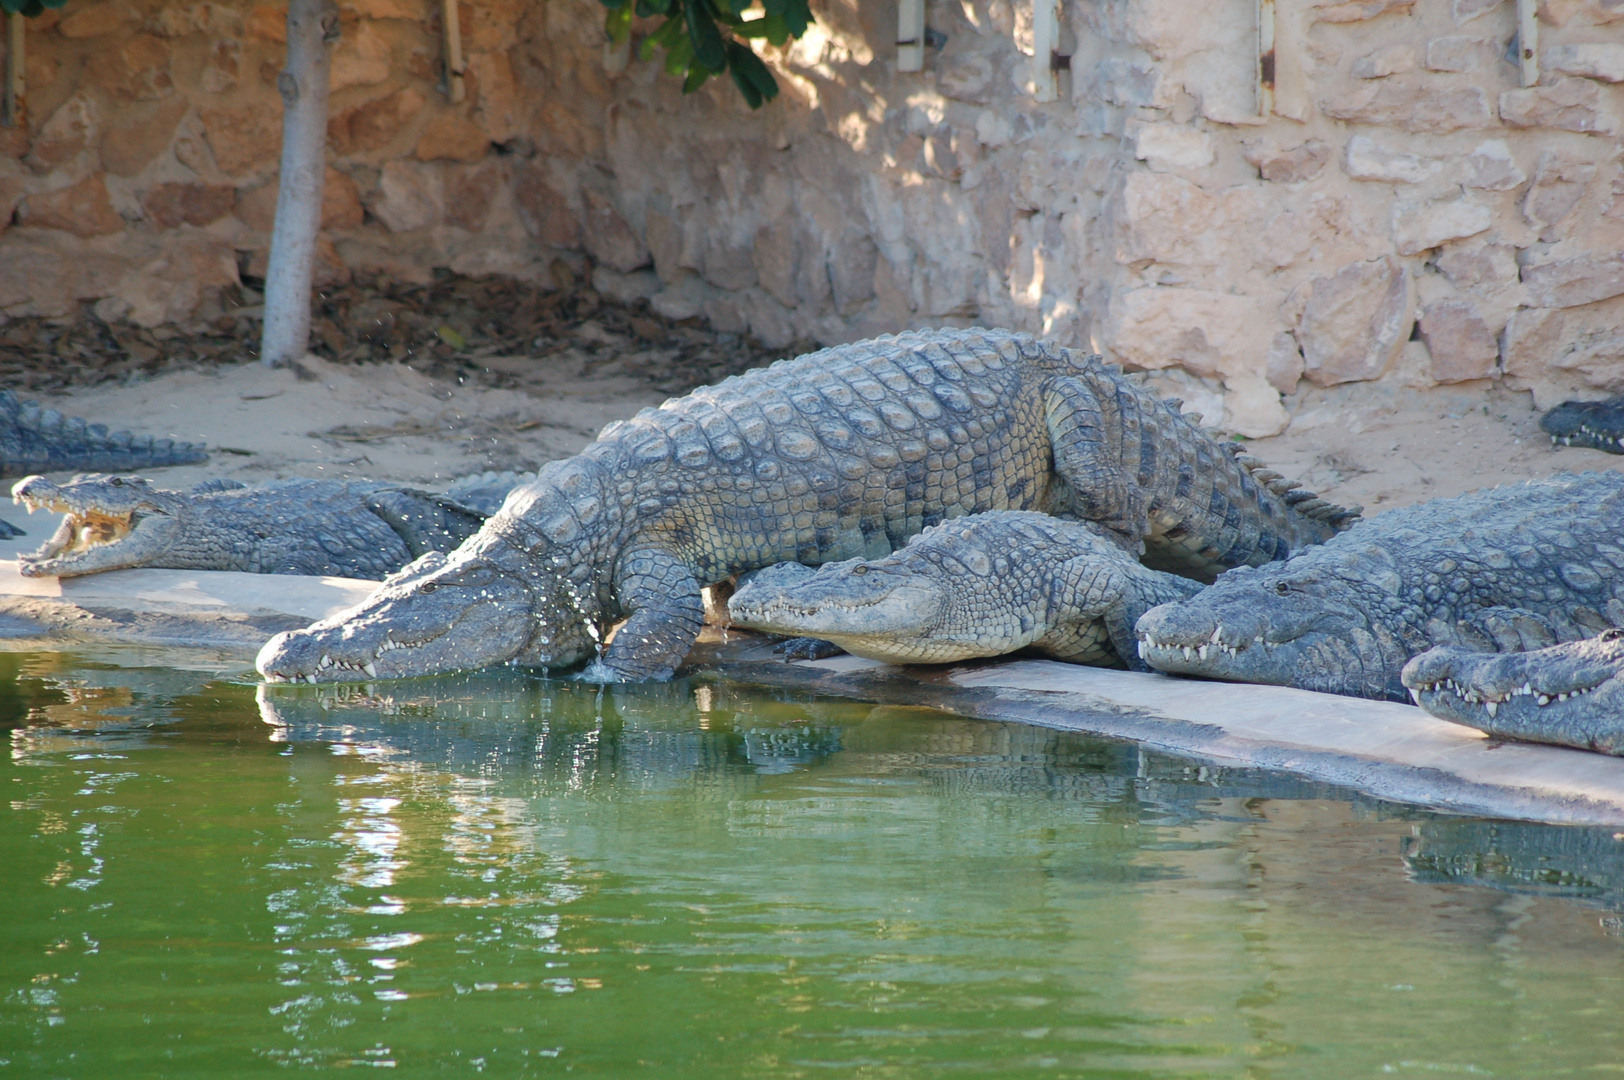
36 440
982 585
349 528
1570 694
838 454
1512 568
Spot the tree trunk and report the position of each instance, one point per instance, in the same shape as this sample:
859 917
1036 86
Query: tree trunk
312 27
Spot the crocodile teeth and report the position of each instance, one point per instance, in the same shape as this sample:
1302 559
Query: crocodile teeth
326 661
1493 707
1216 631
1201 652
369 669
1545 699
1188 652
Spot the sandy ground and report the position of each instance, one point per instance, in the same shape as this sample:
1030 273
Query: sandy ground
1367 444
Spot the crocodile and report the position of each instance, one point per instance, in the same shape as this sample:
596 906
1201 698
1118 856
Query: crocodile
1596 425
837 454
1510 568
347 528
1570 694
34 440
982 585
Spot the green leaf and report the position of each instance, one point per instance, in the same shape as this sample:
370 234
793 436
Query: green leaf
679 56
696 78
618 24
795 13
751 76
647 9
707 41
451 337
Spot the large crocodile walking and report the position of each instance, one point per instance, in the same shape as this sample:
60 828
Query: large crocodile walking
348 528
837 454
982 585
1570 694
36 440
1509 568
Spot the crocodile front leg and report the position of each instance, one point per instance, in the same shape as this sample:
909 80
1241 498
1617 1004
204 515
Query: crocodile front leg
664 615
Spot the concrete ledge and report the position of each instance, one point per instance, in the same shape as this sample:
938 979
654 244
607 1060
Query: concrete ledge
1383 749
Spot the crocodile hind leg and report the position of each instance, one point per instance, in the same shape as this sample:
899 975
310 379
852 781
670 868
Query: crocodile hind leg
1085 458
665 613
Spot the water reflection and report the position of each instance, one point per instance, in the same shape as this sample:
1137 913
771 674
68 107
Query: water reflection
705 879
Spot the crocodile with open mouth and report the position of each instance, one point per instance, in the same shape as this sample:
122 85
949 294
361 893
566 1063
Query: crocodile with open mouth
347 528
837 454
982 585
1510 568
35 440
1570 694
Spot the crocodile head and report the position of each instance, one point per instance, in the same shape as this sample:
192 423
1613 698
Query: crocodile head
1306 623
1569 694
507 595
1598 425
112 522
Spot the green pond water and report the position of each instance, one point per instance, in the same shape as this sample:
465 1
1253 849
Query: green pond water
519 877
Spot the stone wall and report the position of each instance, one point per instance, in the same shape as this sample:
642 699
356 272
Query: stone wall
1407 212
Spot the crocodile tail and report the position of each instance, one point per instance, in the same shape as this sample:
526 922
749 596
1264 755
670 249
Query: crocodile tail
1300 499
35 439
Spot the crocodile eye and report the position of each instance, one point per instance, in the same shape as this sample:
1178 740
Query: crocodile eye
116 482
427 587
1615 634
1283 589
859 569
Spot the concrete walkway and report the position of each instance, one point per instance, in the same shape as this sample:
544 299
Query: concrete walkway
1390 751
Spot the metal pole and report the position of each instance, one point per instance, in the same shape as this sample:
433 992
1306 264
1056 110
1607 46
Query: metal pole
455 89
1045 47
910 35
1265 57
1528 41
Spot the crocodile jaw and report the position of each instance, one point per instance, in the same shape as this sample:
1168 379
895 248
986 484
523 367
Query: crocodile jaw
428 619
92 538
894 617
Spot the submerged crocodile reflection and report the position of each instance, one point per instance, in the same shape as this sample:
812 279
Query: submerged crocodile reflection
1515 856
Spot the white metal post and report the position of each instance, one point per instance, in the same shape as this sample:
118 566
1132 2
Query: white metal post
910 35
1045 47
1528 41
455 89
1265 57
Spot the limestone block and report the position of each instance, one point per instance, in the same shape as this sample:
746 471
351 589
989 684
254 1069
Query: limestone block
1366 159
1413 106
1359 10
1284 363
608 238
215 20
775 256
626 288
1485 270
1132 83
44 274
169 205
246 140
1416 228
852 270
496 96
1570 282
361 59
469 192
1205 333
768 320
138 70
1571 105
490 25
1393 60
966 78
727 266
1491 167
223 66
373 124
1174 146
269 22
1467 10
1461 345
66 133
1563 348
340 204
11 191
1252 407
450 136
82 209
544 210
1288 166
1166 219
1592 60
408 196
1559 183
1355 321
95 21
1457 53
170 286
665 244
1560 12
414 10
141 135
684 299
